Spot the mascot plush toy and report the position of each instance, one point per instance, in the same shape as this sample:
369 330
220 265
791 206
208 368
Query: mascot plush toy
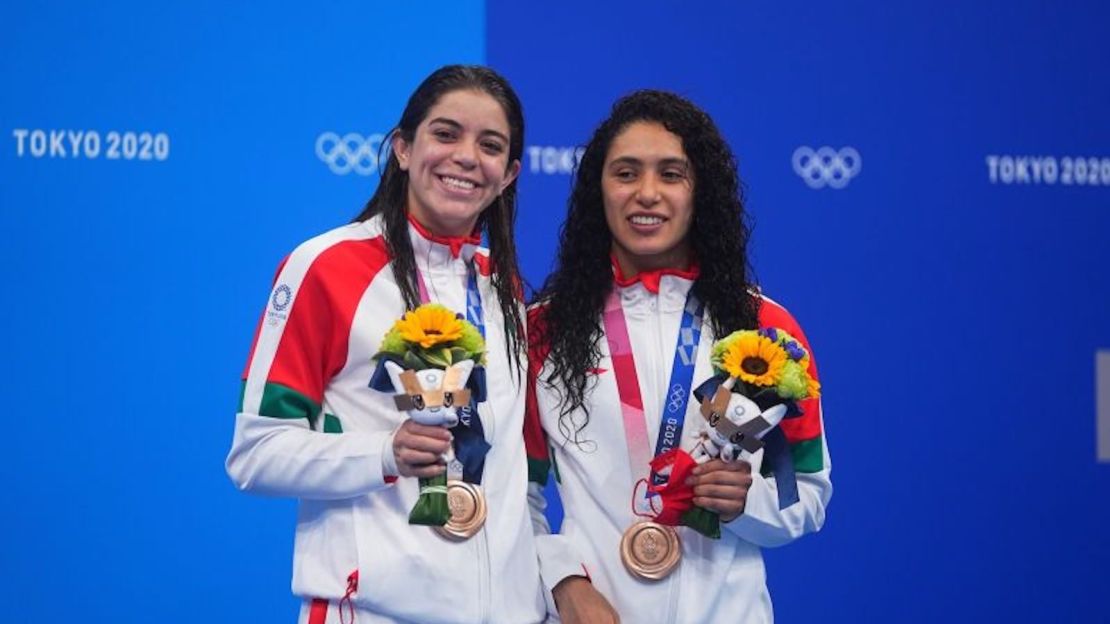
431 361
732 427
760 377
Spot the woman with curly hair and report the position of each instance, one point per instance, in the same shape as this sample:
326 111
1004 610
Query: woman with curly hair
653 253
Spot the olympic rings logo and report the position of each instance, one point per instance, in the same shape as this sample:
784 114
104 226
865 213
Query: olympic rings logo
351 152
738 412
826 166
674 402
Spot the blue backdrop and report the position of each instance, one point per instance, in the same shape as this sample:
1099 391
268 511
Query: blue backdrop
930 188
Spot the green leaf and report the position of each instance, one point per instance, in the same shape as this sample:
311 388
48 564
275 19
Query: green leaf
703 521
439 358
412 361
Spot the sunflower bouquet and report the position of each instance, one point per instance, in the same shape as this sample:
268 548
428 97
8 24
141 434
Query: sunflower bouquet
766 362
431 360
432 336
760 377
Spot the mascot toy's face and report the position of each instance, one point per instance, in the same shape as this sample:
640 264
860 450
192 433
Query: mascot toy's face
725 422
432 396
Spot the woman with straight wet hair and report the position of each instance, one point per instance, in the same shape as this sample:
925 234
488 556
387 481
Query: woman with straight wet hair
311 427
652 255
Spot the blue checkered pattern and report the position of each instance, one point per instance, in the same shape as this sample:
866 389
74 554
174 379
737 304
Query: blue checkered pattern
689 333
474 302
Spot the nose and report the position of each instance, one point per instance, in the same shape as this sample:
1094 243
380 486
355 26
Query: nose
466 154
648 193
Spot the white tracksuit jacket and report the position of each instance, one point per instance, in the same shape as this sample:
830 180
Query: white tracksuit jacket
717 580
310 427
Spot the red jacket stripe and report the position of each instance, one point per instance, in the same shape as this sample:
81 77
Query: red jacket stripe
808 425
313 347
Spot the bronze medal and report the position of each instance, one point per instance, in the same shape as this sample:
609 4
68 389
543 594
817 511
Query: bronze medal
650 550
468 511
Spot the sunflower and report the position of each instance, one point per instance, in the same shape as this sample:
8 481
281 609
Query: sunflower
429 325
755 359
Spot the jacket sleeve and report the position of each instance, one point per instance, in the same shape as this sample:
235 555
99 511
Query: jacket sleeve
284 444
762 522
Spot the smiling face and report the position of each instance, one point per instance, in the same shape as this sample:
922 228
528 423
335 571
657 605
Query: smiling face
647 185
457 161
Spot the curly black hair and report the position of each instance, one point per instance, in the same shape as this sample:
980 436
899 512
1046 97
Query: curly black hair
573 296
497 221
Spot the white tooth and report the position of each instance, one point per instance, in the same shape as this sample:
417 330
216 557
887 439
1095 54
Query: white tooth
646 220
463 184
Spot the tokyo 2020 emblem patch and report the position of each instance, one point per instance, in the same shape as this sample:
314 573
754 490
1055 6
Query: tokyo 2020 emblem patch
283 295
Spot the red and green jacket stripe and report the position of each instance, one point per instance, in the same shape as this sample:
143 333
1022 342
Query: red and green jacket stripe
803 433
313 344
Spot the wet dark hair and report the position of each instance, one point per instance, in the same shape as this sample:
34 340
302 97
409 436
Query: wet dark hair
574 295
496 221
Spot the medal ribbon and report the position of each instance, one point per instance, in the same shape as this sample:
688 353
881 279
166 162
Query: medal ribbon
628 386
469 436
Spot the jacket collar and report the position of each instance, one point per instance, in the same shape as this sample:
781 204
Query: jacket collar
652 280
440 250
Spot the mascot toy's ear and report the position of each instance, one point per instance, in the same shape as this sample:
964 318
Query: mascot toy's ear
774 415
458 375
394 373
708 388
381 380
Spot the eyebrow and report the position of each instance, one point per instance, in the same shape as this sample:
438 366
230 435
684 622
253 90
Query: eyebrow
664 162
458 126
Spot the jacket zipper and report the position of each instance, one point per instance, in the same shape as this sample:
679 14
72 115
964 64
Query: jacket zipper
485 580
673 595
483 576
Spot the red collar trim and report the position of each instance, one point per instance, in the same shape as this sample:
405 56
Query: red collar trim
650 279
455 243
